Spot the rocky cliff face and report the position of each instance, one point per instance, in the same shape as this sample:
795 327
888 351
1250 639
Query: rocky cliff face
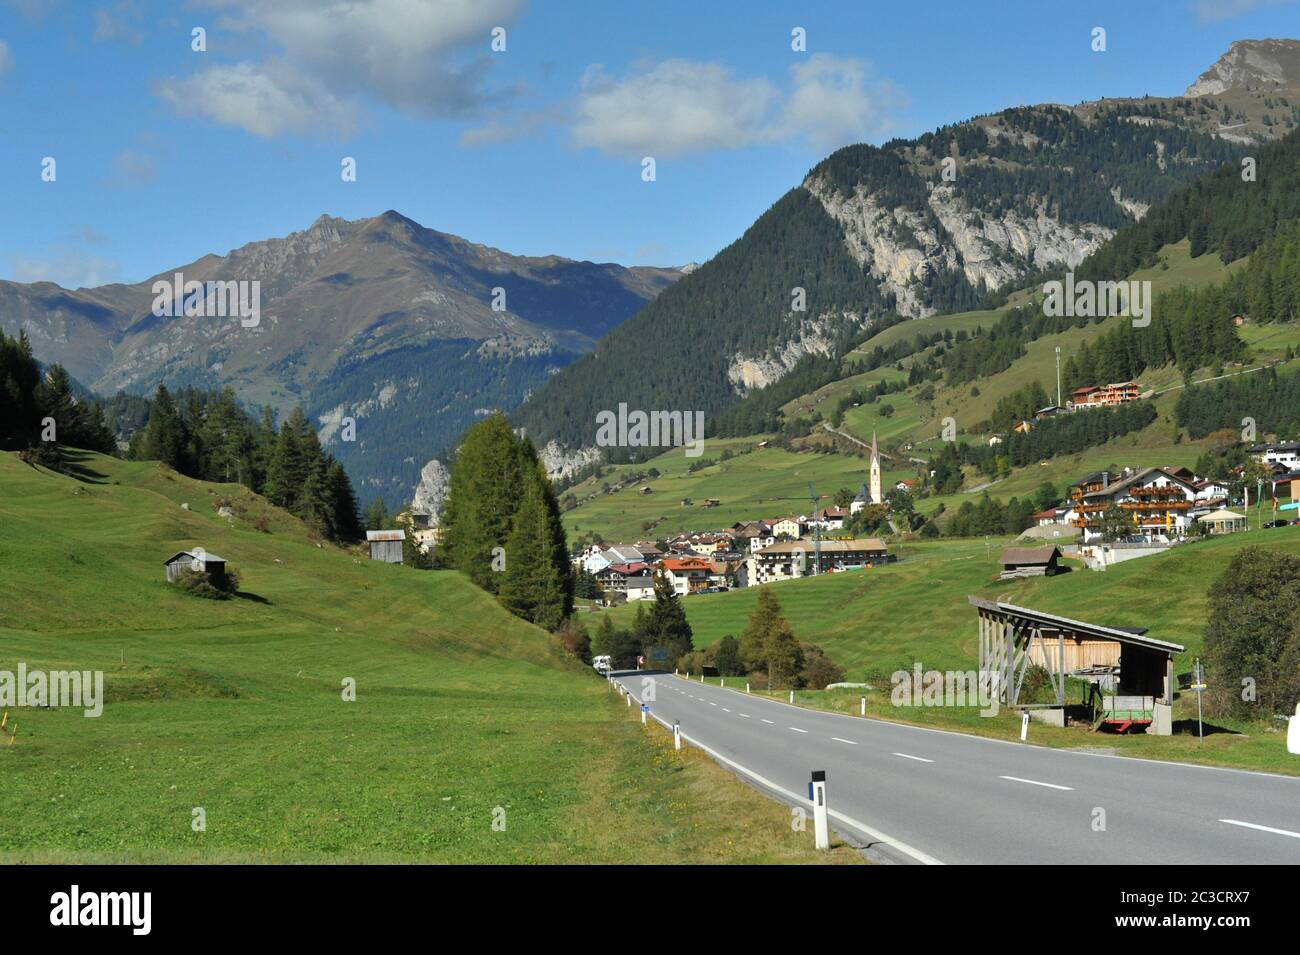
431 491
1251 65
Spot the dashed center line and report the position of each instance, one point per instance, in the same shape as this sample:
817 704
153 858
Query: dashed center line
765 721
711 703
725 710
849 741
1035 782
919 759
797 729
1255 825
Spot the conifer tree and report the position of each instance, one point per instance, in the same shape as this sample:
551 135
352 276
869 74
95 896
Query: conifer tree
532 586
165 439
483 494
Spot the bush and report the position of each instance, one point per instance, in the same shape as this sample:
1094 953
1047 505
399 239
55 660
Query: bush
758 680
819 670
574 640
210 586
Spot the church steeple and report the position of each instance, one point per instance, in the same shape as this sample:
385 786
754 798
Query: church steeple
876 496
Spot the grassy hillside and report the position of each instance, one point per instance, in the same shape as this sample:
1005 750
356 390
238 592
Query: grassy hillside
875 621
236 706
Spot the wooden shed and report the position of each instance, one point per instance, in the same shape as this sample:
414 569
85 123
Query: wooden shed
1134 672
198 560
1030 562
386 545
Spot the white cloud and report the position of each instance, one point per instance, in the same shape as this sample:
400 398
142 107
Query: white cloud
837 101
6 58
682 106
264 100
69 268
428 57
679 106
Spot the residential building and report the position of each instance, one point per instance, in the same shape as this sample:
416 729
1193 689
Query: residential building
640 588
688 575
1155 501
1105 396
753 535
787 527
1286 454
790 559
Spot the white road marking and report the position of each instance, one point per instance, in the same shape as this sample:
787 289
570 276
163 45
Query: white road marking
765 721
849 741
725 710
919 759
903 847
1253 825
711 703
743 715
1034 782
797 729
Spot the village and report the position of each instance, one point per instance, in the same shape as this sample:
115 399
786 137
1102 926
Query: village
1107 518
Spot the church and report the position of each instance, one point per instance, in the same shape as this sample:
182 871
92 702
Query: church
871 495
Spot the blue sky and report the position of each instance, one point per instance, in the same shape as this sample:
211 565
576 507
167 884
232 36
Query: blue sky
164 154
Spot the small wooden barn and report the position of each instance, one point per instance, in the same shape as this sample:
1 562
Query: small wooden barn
1030 562
198 560
386 545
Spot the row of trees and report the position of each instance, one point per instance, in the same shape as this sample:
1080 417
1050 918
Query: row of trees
39 412
501 524
208 435
768 652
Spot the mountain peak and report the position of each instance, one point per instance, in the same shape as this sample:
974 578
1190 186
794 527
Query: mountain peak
1251 64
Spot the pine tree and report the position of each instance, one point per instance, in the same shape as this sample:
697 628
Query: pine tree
666 626
290 463
376 515
531 585
165 439
343 504
483 494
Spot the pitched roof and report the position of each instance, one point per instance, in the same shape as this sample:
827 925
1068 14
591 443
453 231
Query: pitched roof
197 553
1030 555
828 547
685 563
397 535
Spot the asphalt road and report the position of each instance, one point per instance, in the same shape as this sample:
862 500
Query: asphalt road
929 796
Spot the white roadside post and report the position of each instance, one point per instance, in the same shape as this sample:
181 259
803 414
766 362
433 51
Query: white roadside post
722 682
1024 726
746 687
792 696
701 676
1293 732
628 696
817 793
677 735
645 708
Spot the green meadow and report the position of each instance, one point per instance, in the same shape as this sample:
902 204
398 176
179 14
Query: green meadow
463 714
